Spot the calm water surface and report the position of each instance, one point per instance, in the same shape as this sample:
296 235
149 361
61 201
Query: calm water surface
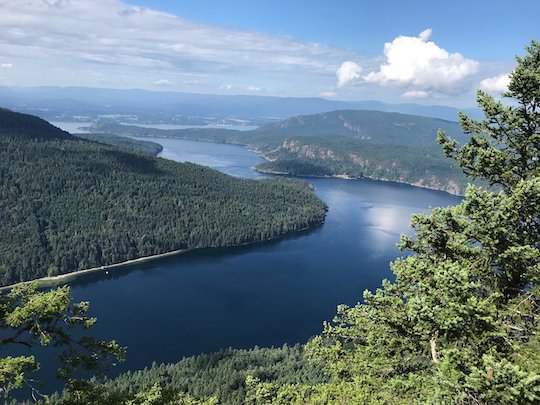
178 126
78 127
264 294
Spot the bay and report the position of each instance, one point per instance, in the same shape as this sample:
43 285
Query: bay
264 294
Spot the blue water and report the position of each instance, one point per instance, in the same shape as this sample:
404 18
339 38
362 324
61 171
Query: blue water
264 294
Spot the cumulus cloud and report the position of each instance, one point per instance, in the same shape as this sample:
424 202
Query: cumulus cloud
415 62
497 84
425 35
347 73
253 88
418 62
415 94
226 87
6 65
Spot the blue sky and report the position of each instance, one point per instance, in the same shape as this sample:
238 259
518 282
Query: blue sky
430 52
487 29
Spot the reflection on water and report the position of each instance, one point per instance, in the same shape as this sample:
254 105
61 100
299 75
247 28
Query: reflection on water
387 223
264 294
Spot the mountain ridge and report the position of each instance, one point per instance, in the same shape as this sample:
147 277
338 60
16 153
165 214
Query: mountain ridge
374 126
49 101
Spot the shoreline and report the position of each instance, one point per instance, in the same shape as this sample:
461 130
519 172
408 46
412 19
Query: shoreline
346 177
50 281
259 152
336 176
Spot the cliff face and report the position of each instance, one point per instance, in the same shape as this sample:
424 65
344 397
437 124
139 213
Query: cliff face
298 156
449 186
309 151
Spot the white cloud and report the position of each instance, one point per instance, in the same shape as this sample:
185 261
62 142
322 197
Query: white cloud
425 35
327 94
111 43
226 87
253 88
419 63
55 41
162 82
415 94
6 65
347 73
497 84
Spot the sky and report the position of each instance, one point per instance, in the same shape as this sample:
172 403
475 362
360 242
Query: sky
428 52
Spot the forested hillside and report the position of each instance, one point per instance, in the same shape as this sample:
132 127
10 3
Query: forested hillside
220 375
375 126
148 147
351 158
349 143
68 203
459 323
24 126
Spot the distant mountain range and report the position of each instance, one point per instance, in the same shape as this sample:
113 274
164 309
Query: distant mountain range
57 103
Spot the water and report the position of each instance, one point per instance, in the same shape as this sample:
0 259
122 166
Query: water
77 127
72 127
231 159
264 294
179 126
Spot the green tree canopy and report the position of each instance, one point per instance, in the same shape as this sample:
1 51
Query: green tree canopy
460 322
29 317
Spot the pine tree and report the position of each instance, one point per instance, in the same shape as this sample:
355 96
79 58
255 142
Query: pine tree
460 323
29 318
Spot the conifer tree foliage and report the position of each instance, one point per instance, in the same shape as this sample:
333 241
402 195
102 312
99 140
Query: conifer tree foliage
69 204
29 318
460 323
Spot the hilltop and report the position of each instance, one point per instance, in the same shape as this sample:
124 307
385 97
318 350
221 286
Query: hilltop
374 126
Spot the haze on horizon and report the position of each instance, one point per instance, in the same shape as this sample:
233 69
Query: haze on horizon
418 51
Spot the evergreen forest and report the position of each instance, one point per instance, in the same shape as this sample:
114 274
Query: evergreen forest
148 147
68 203
459 323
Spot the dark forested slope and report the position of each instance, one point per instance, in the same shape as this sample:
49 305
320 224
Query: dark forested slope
68 203
221 374
148 147
24 126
